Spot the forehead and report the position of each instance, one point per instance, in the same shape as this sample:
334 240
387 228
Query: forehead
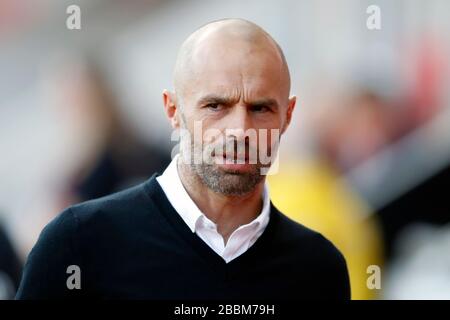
236 70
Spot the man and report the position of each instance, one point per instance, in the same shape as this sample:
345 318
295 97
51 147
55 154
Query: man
205 228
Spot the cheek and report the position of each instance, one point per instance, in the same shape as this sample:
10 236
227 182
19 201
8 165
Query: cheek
204 132
212 135
270 123
269 138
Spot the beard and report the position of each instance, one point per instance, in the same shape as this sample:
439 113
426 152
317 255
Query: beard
228 182
225 181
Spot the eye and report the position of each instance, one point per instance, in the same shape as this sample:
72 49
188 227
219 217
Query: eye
213 106
259 108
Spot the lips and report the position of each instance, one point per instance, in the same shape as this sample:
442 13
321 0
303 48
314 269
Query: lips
234 165
235 157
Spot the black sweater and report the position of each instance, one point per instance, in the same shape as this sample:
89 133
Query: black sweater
134 245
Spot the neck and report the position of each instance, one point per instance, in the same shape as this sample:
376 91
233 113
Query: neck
228 212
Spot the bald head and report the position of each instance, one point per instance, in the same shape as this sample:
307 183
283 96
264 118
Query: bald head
228 41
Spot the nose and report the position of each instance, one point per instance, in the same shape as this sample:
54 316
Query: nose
241 121
236 134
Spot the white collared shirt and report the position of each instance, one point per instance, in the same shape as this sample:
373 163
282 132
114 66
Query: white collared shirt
239 241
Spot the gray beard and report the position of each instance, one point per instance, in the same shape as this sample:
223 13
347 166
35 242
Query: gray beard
226 182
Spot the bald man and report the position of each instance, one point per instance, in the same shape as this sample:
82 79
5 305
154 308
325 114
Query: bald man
205 228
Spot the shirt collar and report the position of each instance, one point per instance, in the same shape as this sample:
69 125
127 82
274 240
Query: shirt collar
177 195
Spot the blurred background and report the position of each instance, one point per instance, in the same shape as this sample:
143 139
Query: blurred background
366 160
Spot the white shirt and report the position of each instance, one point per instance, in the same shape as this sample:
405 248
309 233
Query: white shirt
240 240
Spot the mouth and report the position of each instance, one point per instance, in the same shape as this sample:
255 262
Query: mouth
235 158
234 163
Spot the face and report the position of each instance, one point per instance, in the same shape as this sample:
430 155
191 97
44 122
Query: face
237 97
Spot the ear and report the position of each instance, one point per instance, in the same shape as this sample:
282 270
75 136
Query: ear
290 109
171 109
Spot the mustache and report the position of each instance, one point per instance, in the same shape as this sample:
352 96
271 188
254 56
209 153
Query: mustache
232 149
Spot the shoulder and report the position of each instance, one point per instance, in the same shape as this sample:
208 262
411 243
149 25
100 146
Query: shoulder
133 202
85 229
317 255
113 214
304 239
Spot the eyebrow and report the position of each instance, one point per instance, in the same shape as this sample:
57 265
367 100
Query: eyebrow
213 98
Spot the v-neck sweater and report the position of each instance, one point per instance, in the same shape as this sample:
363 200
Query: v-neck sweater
134 245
